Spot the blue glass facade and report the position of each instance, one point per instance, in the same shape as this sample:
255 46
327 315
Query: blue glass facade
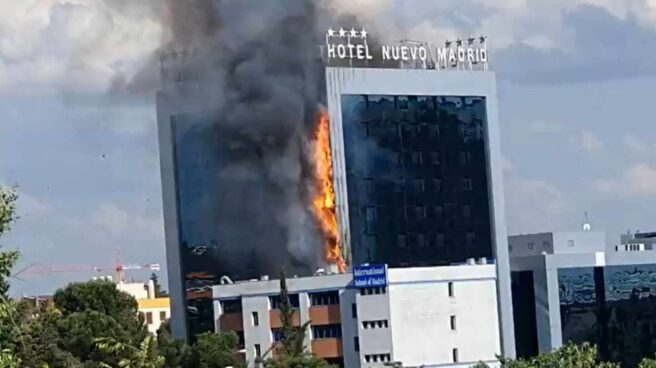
211 183
613 307
417 182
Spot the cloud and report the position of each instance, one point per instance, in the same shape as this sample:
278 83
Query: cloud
590 142
593 44
118 222
545 127
638 180
76 46
535 205
637 145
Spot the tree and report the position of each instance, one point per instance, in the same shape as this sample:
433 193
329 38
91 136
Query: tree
95 310
174 351
647 363
291 351
214 350
8 258
144 356
569 356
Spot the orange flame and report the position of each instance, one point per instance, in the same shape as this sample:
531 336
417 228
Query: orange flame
323 204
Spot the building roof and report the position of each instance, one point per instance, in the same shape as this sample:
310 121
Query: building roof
154 303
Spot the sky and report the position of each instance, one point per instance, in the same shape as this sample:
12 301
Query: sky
575 81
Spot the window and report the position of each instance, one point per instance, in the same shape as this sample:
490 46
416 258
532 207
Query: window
370 217
467 185
530 245
231 306
570 243
421 240
450 287
368 185
454 352
256 319
276 334
464 157
381 323
434 131
354 310
545 245
470 238
417 158
333 331
356 343
453 323
400 241
324 298
439 240
466 211
149 318
418 185
437 185
438 211
162 316
275 301
420 212
373 291
435 158
258 350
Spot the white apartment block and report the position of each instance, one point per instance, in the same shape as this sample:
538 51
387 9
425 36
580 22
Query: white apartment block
424 317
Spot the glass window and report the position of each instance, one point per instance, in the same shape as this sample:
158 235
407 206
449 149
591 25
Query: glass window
162 316
256 319
453 323
324 298
450 287
333 331
149 318
274 300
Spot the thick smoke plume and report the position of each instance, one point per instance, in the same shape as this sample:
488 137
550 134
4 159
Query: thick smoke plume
258 67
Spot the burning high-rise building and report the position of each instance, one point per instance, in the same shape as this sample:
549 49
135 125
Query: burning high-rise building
272 160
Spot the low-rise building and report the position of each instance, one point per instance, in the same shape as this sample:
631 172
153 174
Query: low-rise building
571 287
430 317
155 310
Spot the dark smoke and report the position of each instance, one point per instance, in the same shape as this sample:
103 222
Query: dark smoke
257 65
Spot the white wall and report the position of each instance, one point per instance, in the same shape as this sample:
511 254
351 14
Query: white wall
421 311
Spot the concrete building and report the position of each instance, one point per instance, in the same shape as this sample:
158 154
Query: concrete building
417 170
155 310
430 317
569 286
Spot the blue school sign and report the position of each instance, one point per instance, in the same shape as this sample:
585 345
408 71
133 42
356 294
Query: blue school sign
367 276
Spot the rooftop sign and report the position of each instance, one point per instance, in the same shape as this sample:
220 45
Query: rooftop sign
352 46
367 276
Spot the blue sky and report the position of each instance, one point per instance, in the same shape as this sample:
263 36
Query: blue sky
575 84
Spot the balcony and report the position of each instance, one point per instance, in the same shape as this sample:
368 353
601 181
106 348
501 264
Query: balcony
231 322
327 348
325 315
274 318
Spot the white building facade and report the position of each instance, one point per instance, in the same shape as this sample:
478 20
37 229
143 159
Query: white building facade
429 317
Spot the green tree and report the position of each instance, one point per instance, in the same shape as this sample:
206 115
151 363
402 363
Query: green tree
8 258
143 356
214 350
174 351
647 363
569 356
291 351
97 310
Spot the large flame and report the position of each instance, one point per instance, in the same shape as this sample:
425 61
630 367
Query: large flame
323 204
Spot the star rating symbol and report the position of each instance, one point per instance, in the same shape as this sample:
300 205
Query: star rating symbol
471 40
342 32
363 33
353 33
331 32
482 39
459 42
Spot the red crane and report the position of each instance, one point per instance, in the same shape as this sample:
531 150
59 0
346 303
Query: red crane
118 268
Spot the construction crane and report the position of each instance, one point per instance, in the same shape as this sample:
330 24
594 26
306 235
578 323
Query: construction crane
118 268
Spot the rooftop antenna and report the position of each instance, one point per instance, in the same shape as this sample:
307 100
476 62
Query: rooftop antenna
586 224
